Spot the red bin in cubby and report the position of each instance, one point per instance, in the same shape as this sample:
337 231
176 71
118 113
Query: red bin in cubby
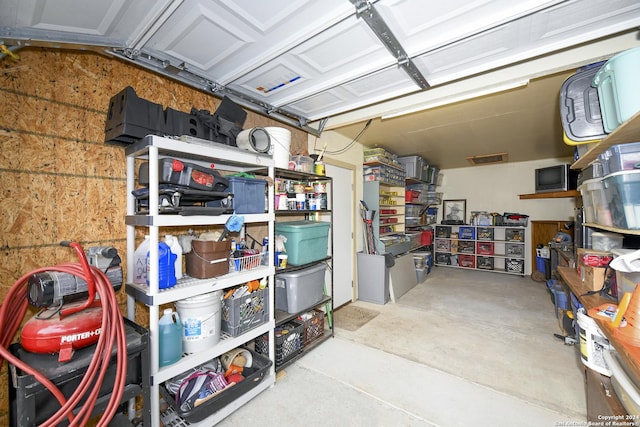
484 248
467 261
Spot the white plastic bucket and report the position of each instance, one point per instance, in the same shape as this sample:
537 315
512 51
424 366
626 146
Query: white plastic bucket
281 144
201 317
593 344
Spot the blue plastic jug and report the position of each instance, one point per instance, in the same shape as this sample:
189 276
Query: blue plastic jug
170 342
166 267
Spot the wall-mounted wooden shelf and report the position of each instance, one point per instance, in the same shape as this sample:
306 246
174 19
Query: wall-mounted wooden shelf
629 131
553 195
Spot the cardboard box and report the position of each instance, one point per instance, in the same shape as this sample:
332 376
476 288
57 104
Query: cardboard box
592 266
592 277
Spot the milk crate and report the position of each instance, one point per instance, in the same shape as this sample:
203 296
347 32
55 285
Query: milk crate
443 231
443 259
467 261
514 249
484 262
244 313
289 342
484 248
466 247
512 265
485 233
514 234
313 325
467 233
443 245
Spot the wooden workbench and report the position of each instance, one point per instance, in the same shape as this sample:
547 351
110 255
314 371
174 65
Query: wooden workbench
630 354
600 397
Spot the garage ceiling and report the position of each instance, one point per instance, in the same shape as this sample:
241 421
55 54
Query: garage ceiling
334 64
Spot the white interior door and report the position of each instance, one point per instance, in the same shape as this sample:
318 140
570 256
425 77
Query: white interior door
343 243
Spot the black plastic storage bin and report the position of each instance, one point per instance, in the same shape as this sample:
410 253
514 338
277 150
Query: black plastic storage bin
31 403
226 396
580 107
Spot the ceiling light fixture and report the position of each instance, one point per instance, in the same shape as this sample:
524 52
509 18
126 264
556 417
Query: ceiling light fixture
463 96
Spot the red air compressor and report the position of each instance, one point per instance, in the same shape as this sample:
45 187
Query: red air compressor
64 324
71 324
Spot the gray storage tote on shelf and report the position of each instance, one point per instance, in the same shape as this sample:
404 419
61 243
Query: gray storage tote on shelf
299 290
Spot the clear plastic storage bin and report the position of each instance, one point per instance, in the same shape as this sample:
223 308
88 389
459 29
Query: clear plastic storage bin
624 191
596 201
620 157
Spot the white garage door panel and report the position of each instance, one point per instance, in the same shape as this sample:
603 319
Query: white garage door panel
338 55
234 37
528 37
375 87
199 36
115 20
420 28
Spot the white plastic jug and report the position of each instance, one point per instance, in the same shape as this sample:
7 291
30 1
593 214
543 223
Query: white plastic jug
174 245
140 262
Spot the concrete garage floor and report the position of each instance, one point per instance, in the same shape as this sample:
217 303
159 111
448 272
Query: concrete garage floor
462 348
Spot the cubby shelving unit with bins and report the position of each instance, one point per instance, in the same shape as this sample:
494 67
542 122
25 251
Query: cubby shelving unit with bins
205 153
388 224
500 249
320 214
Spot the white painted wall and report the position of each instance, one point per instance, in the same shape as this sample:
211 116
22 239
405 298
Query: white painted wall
496 188
492 188
353 155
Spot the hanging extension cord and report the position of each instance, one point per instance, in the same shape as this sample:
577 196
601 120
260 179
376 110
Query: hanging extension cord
13 310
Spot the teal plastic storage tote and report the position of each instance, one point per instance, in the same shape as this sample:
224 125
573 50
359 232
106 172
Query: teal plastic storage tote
307 241
618 84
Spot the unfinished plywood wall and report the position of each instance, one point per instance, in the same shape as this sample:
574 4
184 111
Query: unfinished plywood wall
59 180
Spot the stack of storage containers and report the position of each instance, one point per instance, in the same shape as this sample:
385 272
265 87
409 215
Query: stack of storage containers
613 199
381 165
610 186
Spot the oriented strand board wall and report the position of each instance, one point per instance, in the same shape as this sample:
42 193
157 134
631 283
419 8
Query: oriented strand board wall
58 179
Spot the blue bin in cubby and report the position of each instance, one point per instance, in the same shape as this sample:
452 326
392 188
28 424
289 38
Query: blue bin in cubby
467 233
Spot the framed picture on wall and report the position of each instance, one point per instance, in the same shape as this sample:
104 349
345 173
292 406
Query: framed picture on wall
454 211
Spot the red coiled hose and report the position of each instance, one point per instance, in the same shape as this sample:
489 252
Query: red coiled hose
13 310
